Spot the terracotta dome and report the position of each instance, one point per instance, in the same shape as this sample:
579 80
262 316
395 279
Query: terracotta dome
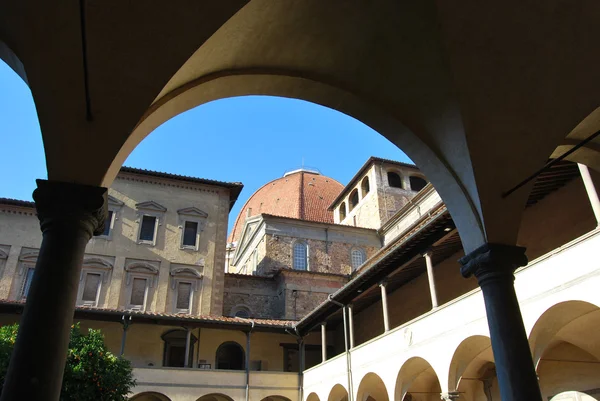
300 194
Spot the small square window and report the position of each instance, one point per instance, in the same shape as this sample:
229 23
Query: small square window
184 295
107 224
27 282
138 293
91 287
148 228
190 232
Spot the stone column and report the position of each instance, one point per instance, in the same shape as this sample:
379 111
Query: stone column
384 305
188 340
351 324
126 322
69 214
323 341
431 278
590 188
493 265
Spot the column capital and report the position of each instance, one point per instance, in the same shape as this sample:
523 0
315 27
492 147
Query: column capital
492 261
63 204
427 253
450 396
383 282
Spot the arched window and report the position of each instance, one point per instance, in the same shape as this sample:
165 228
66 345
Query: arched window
394 180
174 351
241 311
342 211
353 199
230 355
365 186
300 256
357 257
417 183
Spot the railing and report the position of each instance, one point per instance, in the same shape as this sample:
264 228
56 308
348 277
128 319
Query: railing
571 272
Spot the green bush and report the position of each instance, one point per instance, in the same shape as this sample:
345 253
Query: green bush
91 372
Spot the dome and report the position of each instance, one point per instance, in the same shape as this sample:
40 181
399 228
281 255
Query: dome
300 194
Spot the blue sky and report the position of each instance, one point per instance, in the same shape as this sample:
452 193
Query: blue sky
252 139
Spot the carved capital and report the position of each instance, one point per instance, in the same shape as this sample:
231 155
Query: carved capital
450 396
492 261
62 205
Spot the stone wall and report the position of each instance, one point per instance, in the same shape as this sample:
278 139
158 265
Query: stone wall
259 294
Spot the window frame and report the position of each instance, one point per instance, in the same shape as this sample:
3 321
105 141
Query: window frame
140 269
344 209
191 215
368 186
142 307
27 261
239 308
307 247
94 265
352 206
363 254
188 275
151 209
26 270
400 177
114 206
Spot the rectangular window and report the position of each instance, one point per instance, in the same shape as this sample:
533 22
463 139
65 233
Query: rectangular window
148 228
27 282
91 287
190 231
138 292
184 293
107 224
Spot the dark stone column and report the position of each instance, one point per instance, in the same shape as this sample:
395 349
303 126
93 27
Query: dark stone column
493 265
69 215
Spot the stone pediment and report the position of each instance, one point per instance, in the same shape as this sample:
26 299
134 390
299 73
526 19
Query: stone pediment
141 267
112 201
193 211
185 271
151 206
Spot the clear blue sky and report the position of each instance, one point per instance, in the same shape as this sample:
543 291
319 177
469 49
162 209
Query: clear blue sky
252 139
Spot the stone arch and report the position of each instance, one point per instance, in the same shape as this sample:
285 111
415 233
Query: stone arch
573 396
465 354
215 397
10 58
566 350
372 388
365 186
275 398
472 369
417 375
553 320
230 355
312 397
150 396
338 393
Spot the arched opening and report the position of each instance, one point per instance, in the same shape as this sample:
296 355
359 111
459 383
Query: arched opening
365 187
275 398
312 397
417 183
372 388
338 393
353 199
300 256
215 397
150 396
573 396
241 311
342 211
566 350
231 356
358 257
417 381
394 179
174 348
472 370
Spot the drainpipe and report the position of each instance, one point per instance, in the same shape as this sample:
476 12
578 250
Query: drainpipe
126 323
248 361
301 361
348 360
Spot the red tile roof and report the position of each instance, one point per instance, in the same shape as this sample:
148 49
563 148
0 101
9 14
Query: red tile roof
301 195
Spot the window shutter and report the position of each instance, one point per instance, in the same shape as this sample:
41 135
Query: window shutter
138 291
91 285
147 229
184 290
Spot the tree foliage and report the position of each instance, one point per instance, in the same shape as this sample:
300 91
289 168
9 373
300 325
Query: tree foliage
91 371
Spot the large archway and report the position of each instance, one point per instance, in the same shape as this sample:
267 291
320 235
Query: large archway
230 355
372 388
215 397
566 350
338 393
275 398
417 381
150 396
312 397
472 370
